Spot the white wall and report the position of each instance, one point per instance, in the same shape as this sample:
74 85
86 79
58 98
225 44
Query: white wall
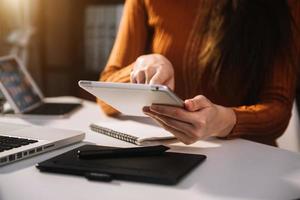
290 140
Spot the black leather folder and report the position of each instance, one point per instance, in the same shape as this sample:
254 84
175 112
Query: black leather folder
167 168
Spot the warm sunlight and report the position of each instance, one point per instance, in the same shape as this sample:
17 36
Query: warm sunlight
12 10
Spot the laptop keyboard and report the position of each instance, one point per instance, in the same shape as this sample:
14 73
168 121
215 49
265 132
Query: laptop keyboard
53 109
7 143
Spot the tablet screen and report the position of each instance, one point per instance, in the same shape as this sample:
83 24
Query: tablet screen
17 85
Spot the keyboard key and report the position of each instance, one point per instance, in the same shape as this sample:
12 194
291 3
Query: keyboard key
53 108
7 143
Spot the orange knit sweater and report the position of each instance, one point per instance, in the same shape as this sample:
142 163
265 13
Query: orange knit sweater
171 28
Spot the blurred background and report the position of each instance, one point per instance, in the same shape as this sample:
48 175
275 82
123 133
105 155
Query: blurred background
60 41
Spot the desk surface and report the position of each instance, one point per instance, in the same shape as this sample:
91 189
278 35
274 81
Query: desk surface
234 169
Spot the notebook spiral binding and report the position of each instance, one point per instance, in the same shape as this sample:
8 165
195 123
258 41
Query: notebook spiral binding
115 134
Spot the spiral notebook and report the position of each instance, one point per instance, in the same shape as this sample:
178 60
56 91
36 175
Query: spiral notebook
134 132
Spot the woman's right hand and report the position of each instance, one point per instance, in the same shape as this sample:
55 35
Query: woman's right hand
153 69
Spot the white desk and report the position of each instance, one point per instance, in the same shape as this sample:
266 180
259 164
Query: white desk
235 169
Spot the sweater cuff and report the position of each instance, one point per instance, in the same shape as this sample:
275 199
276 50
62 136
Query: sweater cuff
238 129
107 109
121 75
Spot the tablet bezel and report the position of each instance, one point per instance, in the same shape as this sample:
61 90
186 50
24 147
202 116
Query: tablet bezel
91 85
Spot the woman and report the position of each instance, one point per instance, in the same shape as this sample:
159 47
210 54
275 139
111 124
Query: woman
229 59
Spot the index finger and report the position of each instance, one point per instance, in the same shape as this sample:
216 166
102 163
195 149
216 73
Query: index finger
173 112
156 78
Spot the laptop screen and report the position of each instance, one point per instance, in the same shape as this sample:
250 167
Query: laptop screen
17 85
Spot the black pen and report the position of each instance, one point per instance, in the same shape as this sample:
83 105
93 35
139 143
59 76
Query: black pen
122 152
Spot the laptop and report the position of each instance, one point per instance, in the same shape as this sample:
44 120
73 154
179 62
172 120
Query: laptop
23 95
23 141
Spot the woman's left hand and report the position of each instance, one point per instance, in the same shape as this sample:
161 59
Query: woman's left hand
198 120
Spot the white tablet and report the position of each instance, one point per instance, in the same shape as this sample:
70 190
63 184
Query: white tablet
129 98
